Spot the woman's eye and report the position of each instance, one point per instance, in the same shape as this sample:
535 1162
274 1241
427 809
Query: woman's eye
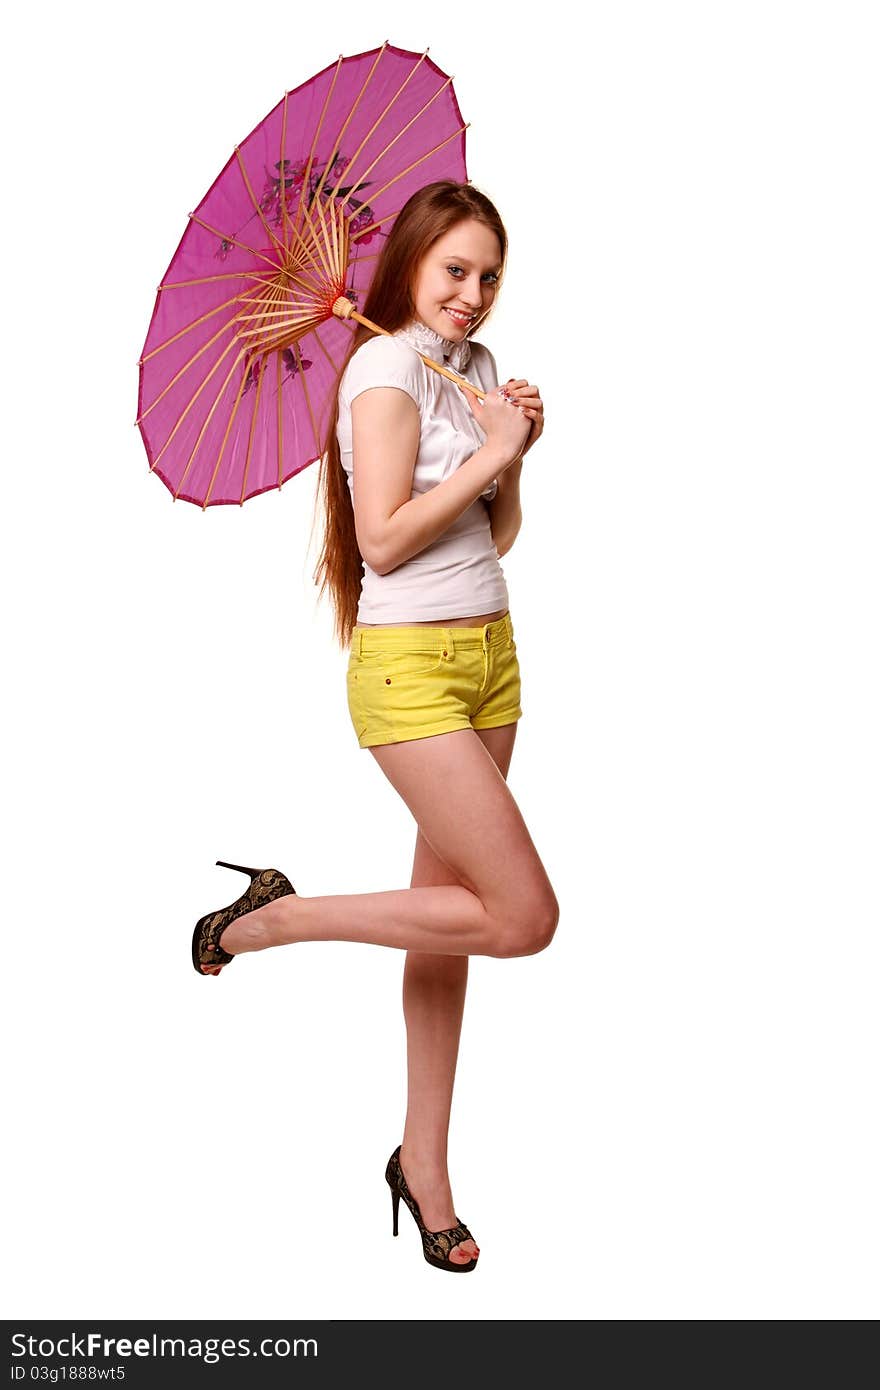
490 275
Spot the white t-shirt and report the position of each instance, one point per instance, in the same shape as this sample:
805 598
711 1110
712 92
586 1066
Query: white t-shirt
459 573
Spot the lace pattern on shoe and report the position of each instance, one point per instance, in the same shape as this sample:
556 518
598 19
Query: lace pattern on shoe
265 888
436 1243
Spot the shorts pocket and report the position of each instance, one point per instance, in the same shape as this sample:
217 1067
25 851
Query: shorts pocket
390 665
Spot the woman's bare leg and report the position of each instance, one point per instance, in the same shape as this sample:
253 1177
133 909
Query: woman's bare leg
433 1004
502 904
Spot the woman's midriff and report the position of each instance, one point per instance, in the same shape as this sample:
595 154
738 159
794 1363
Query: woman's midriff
479 621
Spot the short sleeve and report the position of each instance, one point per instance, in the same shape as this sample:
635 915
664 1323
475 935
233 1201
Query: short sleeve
384 361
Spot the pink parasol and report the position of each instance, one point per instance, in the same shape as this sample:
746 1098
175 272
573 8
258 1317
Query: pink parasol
255 313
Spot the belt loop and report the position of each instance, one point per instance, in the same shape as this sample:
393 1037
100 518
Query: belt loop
360 641
448 642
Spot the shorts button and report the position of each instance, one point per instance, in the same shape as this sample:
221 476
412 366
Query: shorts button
445 653
387 680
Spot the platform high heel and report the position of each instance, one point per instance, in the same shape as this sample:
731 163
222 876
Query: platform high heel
266 885
436 1245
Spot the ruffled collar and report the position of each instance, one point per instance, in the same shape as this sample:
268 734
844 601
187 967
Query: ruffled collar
446 351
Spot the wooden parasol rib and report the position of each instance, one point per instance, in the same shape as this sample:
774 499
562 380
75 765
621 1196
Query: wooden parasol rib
391 143
346 173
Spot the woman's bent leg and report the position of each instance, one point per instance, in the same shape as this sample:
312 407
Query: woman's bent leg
502 904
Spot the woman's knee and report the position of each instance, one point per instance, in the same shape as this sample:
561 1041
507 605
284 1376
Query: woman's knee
526 932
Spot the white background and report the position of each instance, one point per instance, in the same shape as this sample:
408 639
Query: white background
669 1114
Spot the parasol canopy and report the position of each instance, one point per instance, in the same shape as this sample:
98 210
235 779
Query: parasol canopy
255 313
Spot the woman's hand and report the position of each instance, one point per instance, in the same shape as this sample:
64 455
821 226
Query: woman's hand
504 424
526 397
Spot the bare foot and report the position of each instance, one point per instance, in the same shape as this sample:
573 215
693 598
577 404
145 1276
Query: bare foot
431 1190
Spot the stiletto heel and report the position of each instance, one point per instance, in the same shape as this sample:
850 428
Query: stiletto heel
436 1245
395 1205
265 886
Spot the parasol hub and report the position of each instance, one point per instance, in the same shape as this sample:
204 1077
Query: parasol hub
342 307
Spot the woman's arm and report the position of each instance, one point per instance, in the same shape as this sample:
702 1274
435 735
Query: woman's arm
390 524
505 511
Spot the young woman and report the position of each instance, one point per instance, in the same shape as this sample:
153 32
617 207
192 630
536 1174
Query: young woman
420 485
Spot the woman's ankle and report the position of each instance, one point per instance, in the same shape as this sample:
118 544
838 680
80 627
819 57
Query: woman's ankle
424 1159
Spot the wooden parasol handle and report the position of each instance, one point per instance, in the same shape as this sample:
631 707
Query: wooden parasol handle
344 309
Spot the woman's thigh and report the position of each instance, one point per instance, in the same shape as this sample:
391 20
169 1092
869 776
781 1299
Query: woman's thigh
429 870
459 798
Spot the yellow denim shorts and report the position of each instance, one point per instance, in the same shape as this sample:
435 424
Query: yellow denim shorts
414 682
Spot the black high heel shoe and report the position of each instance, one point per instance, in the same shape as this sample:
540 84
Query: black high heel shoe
436 1245
266 885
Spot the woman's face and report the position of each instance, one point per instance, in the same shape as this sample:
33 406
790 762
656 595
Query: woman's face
459 272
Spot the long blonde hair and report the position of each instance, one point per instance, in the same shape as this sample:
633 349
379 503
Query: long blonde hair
428 215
